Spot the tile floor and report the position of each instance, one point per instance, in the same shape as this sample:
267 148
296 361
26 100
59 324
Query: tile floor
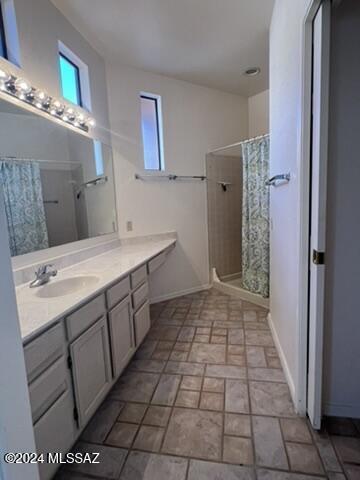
205 399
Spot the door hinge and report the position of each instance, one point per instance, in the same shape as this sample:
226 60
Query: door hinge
318 258
69 362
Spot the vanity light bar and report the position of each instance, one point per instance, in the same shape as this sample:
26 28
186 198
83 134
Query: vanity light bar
21 89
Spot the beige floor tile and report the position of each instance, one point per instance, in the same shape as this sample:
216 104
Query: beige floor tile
304 458
207 353
255 356
157 416
187 398
218 339
191 383
132 413
201 470
237 425
212 401
236 360
219 331
269 398
135 387
202 338
225 371
182 346
236 396
236 349
238 450
122 435
216 385
150 466
194 433
149 438
258 338
269 447
166 390
266 375
295 430
179 356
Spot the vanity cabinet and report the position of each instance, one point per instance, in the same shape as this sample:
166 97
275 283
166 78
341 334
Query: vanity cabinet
72 366
121 335
91 368
142 323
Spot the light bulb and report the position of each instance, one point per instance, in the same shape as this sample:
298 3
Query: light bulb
91 122
4 76
22 85
53 111
65 118
41 95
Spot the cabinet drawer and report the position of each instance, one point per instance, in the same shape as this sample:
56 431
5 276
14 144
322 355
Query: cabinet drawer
156 262
138 277
140 295
116 293
44 350
142 323
83 318
55 432
47 388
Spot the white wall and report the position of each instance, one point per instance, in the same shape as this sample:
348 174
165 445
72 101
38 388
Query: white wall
16 432
195 120
286 43
40 27
259 114
342 301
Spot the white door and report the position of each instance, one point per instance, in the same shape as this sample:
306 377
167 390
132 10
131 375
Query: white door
319 147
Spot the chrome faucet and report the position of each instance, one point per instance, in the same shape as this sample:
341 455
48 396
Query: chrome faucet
43 275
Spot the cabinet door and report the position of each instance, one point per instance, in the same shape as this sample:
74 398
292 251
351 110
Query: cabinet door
142 323
121 335
55 432
91 369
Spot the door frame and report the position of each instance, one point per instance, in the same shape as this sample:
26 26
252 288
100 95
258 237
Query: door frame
305 203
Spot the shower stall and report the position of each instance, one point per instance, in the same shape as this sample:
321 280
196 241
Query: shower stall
238 219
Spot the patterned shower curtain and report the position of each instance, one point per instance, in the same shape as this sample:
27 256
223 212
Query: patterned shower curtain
24 206
255 220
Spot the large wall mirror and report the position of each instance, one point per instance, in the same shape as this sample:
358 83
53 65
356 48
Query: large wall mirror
58 185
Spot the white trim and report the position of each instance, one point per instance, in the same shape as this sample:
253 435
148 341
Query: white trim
238 292
337 410
284 364
187 291
158 100
84 75
301 332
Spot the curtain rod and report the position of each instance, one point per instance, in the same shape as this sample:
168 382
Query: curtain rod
239 143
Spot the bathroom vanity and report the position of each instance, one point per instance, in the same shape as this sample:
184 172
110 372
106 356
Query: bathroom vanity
78 343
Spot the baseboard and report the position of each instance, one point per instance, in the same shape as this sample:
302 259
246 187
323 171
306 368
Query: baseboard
231 276
336 410
284 364
170 296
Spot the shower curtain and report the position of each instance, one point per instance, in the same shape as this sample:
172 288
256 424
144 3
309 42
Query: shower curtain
255 226
24 206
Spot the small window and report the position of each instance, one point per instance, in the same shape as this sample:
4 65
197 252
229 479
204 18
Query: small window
99 160
70 80
3 48
151 131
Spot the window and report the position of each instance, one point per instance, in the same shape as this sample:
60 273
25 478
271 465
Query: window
3 48
151 131
70 80
99 160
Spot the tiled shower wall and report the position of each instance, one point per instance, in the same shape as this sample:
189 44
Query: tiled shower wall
224 213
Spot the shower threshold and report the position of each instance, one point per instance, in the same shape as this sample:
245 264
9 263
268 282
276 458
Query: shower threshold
233 286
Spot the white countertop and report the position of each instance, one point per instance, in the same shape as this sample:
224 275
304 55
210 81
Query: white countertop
36 314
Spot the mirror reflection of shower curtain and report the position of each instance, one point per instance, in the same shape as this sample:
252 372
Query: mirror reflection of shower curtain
24 205
255 219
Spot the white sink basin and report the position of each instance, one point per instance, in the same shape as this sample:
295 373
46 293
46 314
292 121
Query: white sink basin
59 288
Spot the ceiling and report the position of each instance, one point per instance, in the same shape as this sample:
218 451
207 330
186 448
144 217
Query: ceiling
207 42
